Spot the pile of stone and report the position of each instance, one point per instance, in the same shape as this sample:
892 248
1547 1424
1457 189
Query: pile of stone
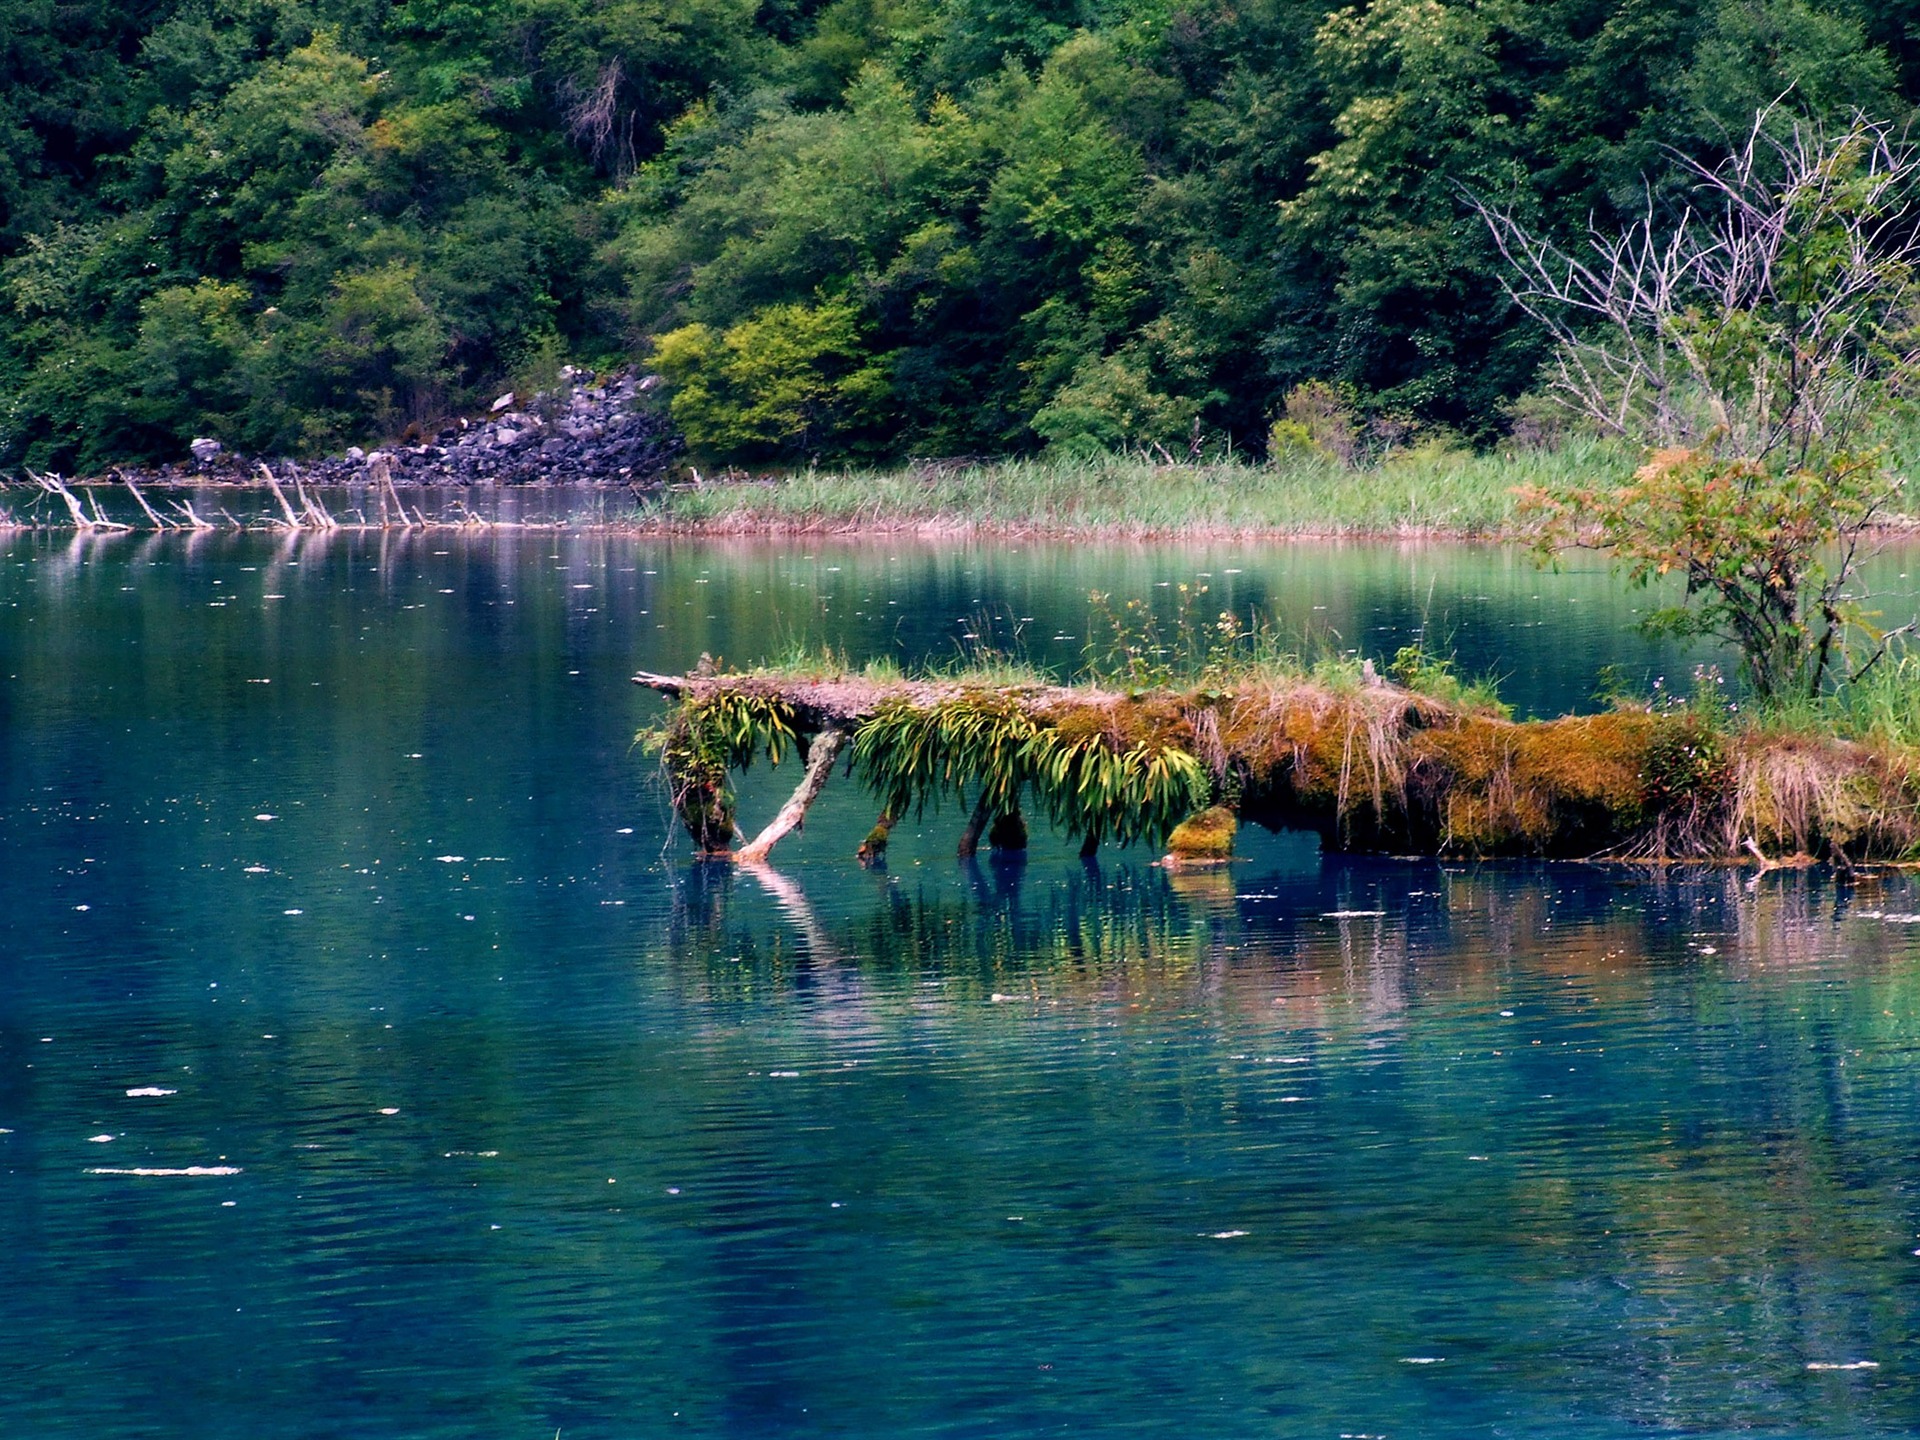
591 430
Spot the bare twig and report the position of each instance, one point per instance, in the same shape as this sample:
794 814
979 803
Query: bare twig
1732 327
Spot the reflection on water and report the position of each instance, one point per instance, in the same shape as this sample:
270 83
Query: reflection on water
359 892
1546 635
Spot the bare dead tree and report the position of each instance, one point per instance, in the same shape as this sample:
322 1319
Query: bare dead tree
594 120
189 519
314 511
286 506
380 476
1770 320
1754 344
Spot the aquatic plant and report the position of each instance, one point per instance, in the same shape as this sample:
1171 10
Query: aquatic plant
1301 493
992 746
911 755
703 741
1098 791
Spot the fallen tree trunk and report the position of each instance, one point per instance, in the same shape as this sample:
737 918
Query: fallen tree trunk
1369 767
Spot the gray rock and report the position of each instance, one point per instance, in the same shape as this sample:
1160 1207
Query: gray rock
595 435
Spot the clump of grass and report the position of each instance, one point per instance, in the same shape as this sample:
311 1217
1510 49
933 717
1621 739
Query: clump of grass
1437 677
1834 775
1883 706
803 660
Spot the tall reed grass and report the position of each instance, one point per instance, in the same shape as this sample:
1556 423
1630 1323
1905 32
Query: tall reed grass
1420 491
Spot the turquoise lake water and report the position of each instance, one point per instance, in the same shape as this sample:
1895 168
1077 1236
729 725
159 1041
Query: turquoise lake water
374 1061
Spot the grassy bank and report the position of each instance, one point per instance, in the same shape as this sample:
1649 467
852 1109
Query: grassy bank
1418 492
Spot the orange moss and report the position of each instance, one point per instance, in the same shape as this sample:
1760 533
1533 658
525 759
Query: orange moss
1501 786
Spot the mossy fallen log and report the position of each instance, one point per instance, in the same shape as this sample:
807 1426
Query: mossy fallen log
1369 766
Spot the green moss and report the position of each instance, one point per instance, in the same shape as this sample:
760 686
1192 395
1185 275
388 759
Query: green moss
1206 836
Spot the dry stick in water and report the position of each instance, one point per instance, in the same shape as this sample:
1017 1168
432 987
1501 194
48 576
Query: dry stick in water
380 475
390 492
315 511
192 520
53 486
81 520
159 522
293 520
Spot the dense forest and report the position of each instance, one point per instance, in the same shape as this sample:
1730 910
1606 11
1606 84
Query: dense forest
839 228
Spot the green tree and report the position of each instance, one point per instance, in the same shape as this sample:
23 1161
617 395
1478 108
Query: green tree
1424 106
791 381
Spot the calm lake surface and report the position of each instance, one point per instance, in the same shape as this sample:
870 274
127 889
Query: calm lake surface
327 868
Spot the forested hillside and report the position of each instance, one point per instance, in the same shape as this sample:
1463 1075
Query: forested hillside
858 228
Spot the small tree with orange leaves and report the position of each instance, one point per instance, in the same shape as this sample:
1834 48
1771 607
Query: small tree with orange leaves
1754 343
1769 556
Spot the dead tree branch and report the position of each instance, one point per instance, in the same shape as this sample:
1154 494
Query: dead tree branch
825 749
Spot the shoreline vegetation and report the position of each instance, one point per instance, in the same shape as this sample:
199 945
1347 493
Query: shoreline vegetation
1419 764
853 229
1422 493
1432 493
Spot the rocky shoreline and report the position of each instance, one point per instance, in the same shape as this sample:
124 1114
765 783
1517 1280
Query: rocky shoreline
594 430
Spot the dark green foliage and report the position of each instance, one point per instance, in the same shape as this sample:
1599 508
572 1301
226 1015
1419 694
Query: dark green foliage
703 742
843 227
992 747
